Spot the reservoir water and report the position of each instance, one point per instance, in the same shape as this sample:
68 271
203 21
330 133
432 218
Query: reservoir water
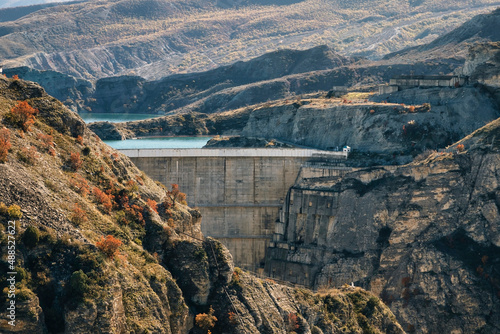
161 142
114 118
154 142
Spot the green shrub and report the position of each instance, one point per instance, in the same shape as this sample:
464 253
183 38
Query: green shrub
316 330
200 254
79 283
24 294
49 184
22 274
31 236
49 237
371 306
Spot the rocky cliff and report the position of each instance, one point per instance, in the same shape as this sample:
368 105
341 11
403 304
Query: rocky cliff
101 248
412 121
423 236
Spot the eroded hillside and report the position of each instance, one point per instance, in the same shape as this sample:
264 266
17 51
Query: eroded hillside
96 39
100 247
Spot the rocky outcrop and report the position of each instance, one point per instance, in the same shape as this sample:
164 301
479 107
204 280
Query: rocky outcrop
66 88
431 118
237 141
107 131
424 237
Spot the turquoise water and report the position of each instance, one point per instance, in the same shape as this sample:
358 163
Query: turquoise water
114 118
164 142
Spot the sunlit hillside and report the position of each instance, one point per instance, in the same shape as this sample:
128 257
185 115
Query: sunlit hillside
155 38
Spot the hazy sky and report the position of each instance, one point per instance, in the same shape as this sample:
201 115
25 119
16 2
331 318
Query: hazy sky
15 3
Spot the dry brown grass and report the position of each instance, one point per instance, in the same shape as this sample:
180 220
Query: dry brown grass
196 39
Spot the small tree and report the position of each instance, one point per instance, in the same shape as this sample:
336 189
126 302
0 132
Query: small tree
232 318
293 322
28 155
206 321
78 215
22 115
175 195
460 147
47 141
4 144
78 283
31 236
103 198
75 162
80 185
152 204
109 246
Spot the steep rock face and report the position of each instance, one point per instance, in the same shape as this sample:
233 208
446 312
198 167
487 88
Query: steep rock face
378 127
63 87
481 61
424 237
65 190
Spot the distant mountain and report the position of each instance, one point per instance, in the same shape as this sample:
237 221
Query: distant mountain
156 38
282 74
276 75
18 3
455 44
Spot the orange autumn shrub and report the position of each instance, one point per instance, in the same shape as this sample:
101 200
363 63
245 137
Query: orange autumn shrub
22 115
109 246
4 144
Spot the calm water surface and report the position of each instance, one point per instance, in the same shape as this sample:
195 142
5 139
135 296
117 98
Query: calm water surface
164 142
114 118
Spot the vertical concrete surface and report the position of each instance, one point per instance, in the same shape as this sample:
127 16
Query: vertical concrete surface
238 192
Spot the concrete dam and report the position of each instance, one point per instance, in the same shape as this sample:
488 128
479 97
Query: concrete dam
238 191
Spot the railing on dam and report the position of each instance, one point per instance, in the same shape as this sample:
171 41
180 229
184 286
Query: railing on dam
231 152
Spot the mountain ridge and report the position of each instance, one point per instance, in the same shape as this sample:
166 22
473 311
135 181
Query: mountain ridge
99 39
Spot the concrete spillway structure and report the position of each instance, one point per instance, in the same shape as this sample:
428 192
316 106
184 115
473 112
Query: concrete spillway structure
238 191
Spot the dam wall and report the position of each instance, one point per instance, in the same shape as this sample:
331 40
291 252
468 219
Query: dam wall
238 191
